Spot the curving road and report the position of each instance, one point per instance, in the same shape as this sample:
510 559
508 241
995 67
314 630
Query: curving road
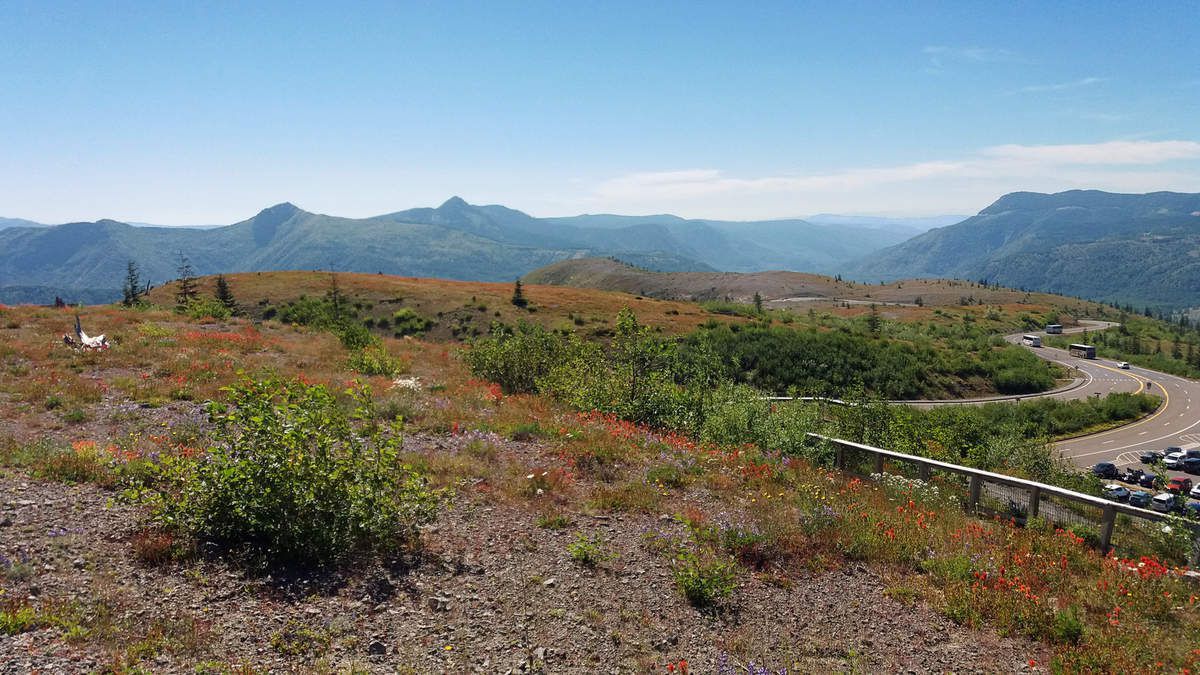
1175 423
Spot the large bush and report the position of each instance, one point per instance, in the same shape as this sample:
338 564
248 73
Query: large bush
295 478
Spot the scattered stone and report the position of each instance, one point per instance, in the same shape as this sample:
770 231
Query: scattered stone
376 648
550 583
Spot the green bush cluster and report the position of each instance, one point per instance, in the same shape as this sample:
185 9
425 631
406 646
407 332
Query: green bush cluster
207 307
296 478
375 360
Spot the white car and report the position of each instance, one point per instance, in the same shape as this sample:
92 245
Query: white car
1124 365
1195 493
1174 460
1163 502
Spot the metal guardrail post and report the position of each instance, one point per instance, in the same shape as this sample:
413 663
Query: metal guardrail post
878 462
976 488
839 457
1106 528
1035 500
924 472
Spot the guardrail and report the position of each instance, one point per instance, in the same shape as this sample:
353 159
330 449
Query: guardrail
980 481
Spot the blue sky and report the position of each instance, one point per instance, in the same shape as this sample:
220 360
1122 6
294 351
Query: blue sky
206 112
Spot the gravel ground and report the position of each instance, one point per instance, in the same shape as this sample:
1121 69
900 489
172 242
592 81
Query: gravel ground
491 593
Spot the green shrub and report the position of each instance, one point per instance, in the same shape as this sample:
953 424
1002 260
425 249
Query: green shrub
294 478
586 550
407 322
375 360
1067 626
704 581
207 307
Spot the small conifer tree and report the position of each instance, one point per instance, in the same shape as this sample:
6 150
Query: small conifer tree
225 296
518 296
132 290
187 293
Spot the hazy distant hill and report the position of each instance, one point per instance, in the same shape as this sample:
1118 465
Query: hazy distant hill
1140 249
456 240
910 226
18 222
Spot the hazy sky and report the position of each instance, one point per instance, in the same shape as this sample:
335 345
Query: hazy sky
206 112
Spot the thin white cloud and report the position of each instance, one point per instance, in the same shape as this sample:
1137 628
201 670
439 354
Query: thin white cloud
1062 86
975 54
1111 153
940 186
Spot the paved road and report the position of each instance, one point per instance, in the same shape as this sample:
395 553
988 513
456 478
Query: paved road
1176 423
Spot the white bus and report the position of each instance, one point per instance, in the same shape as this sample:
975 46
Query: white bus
1031 340
1055 328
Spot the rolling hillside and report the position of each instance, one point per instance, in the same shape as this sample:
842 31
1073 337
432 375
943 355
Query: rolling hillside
781 289
1139 249
457 240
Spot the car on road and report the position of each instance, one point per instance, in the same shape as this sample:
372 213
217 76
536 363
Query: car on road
1191 464
1180 486
1192 509
1152 456
1105 470
1164 502
1140 498
1124 365
1174 460
1195 493
1116 492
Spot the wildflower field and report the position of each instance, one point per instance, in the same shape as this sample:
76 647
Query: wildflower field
243 495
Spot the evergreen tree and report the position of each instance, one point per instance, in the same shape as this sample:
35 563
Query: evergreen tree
187 292
225 296
132 290
758 307
874 323
518 296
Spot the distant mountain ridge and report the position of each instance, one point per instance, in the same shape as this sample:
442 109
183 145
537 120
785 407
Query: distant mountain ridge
456 240
1142 249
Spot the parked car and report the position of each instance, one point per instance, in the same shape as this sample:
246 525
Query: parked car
1173 460
1152 456
1151 480
1191 464
1180 486
1192 509
1173 448
1191 452
1105 470
1116 492
1124 365
1164 502
1139 498
1195 493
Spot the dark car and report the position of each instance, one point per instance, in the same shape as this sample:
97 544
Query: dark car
1180 486
1150 480
1132 476
1152 456
1105 470
1192 510
1140 498
1191 464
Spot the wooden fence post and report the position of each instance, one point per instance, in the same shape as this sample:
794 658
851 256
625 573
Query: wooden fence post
924 472
878 462
1035 499
976 488
1106 528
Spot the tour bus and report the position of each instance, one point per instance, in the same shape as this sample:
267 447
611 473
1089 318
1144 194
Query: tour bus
1031 341
1054 328
1082 351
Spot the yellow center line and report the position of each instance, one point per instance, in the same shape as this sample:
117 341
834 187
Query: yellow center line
1142 385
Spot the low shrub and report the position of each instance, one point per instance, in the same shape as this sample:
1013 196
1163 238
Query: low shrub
295 478
704 581
375 360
